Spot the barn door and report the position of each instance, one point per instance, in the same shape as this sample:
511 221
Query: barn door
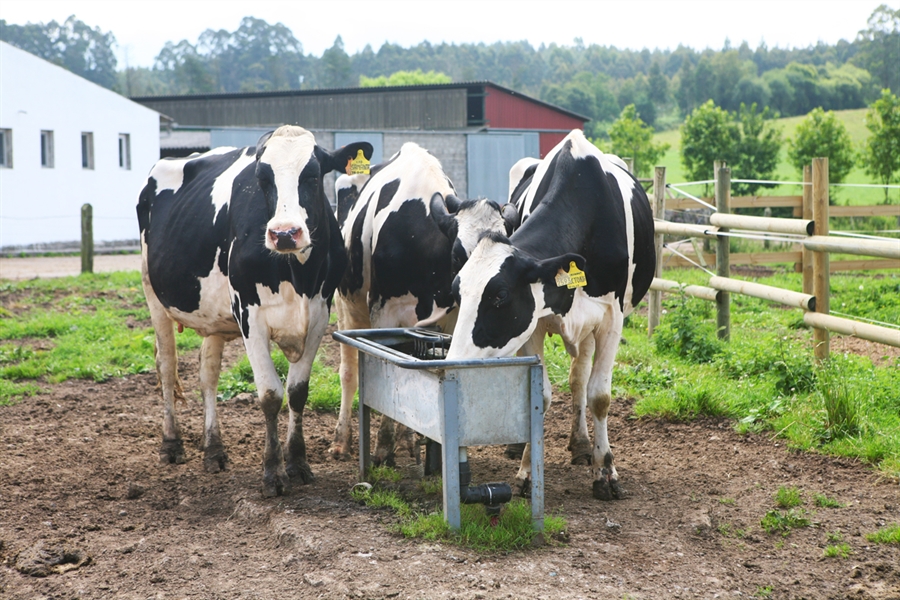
490 156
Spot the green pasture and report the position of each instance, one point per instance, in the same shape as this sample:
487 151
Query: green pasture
854 121
97 327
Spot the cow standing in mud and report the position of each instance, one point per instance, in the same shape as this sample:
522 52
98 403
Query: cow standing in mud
242 242
403 229
579 263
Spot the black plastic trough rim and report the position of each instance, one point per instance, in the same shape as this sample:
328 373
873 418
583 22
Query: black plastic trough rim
359 338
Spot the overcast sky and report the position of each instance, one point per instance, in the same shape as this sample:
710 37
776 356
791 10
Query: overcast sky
142 27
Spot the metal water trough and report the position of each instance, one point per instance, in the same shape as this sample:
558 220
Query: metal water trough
458 404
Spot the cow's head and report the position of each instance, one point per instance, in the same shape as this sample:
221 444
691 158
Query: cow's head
465 222
289 169
501 293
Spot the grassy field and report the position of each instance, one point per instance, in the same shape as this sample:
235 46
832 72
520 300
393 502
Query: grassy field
765 379
854 122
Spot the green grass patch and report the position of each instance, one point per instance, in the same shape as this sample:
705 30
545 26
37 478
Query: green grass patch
87 327
776 521
324 382
837 551
886 535
766 378
823 501
512 531
788 497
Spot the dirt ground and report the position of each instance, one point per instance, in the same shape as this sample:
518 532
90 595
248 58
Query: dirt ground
80 486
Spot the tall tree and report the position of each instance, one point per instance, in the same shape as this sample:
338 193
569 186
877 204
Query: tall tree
74 45
708 134
880 156
631 137
879 47
336 70
757 148
822 134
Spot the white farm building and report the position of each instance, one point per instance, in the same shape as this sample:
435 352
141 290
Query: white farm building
64 142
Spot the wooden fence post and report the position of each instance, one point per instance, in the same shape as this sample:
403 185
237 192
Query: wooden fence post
659 212
629 162
87 239
806 262
820 260
723 261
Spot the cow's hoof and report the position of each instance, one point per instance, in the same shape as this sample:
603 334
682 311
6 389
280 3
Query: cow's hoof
339 452
617 491
581 451
171 452
276 485
300 472
384 458
215 459
608 490
514 451
524 487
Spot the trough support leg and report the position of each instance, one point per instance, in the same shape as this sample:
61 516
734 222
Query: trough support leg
450 451
365 417
537 447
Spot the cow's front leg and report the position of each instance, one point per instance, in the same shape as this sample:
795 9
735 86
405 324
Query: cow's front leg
214 456
297 466
271 398
606 479
579 372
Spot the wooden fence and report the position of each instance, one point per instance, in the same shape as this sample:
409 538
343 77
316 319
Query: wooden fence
813 257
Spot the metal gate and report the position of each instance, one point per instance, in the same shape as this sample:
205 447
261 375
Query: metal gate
490 156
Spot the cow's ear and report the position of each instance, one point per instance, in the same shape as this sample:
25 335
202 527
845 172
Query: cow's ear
510 215
262 142
452 203
443 219
337 160
547 269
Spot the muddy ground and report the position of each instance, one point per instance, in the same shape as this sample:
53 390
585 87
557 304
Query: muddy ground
80 484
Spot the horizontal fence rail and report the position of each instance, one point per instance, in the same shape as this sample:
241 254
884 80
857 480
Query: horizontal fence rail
810 235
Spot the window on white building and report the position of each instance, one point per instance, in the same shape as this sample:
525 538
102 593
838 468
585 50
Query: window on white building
125 151
6 148
87 150
47 149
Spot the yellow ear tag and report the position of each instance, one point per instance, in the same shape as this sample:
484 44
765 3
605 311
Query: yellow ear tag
573 279
358 165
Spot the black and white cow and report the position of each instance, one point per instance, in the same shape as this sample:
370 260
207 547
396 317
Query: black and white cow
400 272
242 242
584 209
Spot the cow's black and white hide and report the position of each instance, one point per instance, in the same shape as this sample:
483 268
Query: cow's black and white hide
400 271
242 242
583 208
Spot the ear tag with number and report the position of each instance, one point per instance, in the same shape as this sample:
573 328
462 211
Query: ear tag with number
573 279
358 165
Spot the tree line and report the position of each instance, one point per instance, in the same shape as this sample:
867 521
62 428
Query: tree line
665 86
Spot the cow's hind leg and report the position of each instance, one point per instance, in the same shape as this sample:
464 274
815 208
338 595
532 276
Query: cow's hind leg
579 371
172 449
214 456
353 313
606 479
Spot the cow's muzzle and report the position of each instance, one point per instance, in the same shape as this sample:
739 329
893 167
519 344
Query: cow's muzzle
284 239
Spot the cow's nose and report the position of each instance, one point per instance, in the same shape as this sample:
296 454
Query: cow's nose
284 238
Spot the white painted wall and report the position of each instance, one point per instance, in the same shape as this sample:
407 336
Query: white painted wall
40 205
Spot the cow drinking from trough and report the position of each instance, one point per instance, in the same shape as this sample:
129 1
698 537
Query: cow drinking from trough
242 242
396 224
576 267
